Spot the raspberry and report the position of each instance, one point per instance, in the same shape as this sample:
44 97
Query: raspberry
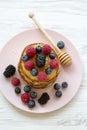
42 76
46 49
29 65
15 81
25 97
30 51
54 64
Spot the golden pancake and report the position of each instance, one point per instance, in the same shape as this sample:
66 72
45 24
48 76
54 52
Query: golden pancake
33 80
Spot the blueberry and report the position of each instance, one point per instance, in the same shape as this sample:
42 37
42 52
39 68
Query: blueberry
27 89
64 84
31 104
17 90
52 55
33 94
57 86
48 71
34 72
38 48
25 58
60 44
58 93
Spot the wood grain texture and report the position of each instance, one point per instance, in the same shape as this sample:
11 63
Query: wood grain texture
69 17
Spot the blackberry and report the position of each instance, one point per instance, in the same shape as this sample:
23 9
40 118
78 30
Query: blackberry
9 71
44 98
40 60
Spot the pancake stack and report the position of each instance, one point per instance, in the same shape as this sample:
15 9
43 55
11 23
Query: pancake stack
39 65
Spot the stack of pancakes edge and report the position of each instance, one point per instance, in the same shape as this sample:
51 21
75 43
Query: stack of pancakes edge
33 80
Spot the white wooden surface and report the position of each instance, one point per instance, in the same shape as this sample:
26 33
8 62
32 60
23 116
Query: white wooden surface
68 17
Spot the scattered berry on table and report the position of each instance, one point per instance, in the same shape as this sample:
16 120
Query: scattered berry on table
48 70
54 64
57 86
34 72
15 81
31 104
38 48
33 94
25 97
27 89
25 58
41 76
40 60
46 49
44 98
52 55
17 90
29 65
64 84
58 93
30 51
60 44
9 71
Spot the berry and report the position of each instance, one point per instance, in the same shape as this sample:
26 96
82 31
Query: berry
33 94
57 86
40 60
44 98
48 71
29 65
60 44
25 97
25 58
46 49
30 51
31 104
9 71
27 89
64 85
17 90
54 64
42 76
34 72
58 93
52 55
38 48
15 81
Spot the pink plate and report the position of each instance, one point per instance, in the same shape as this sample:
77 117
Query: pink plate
10 54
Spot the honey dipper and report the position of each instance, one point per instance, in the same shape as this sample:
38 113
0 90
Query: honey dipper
63 56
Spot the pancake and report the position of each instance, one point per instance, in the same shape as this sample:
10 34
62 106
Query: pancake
33 80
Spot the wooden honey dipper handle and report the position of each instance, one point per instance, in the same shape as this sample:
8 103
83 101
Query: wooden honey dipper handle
64 58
